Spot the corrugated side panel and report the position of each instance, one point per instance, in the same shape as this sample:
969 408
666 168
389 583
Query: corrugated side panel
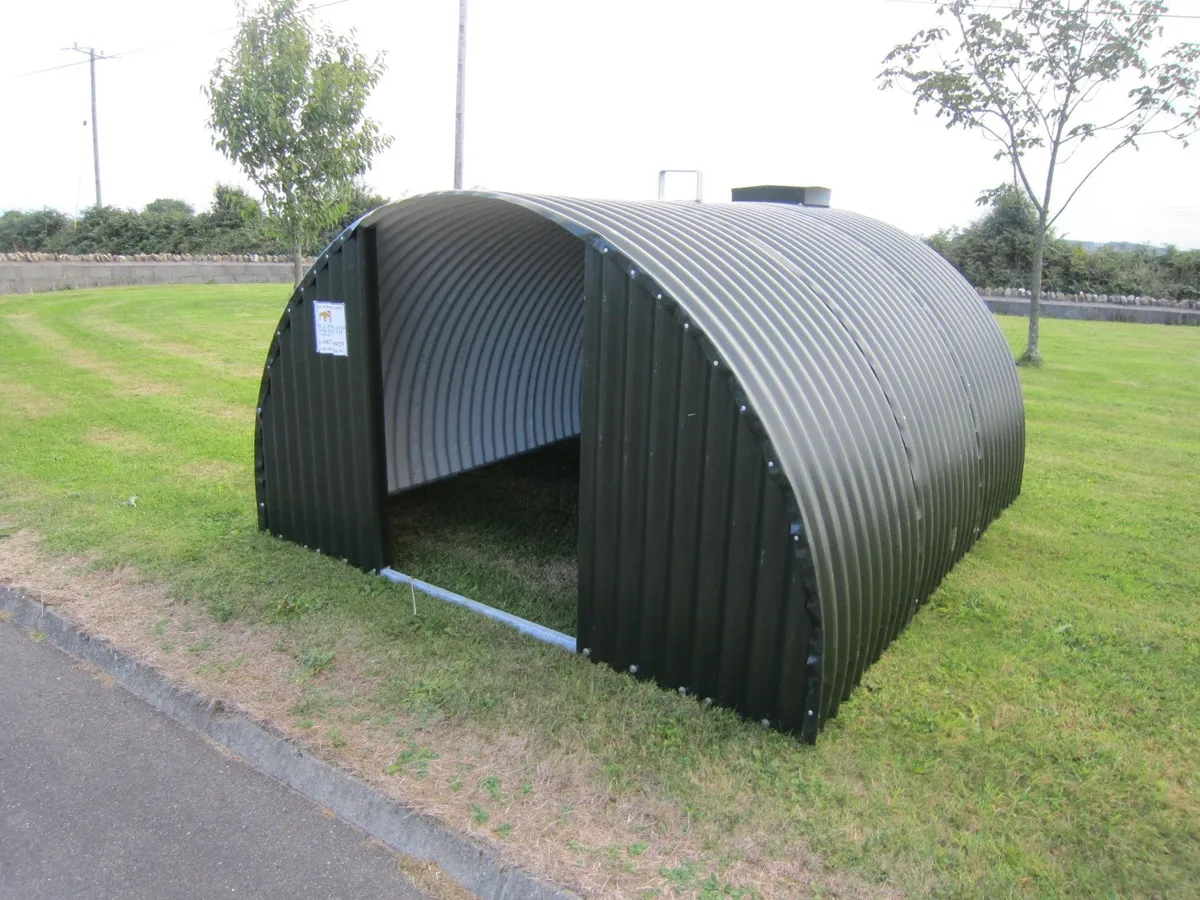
318 446
481 314
687 562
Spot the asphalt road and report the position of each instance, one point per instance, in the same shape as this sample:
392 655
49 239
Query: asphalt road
101 796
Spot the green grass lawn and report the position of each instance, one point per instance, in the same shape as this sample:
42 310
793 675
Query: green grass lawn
1035 732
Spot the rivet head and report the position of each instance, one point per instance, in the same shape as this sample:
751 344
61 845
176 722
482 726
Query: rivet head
632 273
811 713
708 701
685 326
682 691
658 296
633 670
743 407
770 465
796 537
262 506
587 651
716 362
603 249
766 723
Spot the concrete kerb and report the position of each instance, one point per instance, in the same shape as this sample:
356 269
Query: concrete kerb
404 830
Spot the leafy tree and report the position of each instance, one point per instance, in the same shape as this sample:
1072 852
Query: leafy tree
232 206
360 201
1003 242
32 232
108 229
287 106
169 207
996 250
235 223
1030 80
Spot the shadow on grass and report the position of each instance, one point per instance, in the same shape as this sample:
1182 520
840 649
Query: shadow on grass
505 535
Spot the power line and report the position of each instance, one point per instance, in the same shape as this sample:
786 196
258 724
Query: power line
83 62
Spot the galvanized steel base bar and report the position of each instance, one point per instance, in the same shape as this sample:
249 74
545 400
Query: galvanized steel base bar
531 629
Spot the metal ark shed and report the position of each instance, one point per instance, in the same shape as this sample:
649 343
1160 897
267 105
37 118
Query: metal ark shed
794 420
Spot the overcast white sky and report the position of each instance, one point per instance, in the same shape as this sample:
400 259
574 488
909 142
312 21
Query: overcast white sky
563 96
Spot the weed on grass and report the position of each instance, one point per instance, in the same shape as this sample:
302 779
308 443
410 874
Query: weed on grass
412 760
314 662
491 784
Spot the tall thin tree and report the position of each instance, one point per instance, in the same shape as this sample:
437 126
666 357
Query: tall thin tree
1047 80
287 105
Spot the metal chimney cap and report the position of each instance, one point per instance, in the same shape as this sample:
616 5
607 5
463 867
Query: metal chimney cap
783 193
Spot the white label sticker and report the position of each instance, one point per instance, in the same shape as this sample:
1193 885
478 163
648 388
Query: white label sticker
330 325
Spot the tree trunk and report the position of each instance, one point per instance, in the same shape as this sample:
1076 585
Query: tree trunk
1033 354
297 262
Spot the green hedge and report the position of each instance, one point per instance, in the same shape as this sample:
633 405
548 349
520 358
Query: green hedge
235 223
996 251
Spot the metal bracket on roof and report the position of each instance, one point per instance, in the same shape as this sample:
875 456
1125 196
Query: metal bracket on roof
662 182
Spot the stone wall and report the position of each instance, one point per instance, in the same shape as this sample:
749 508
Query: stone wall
1101 299
1101 312
27 273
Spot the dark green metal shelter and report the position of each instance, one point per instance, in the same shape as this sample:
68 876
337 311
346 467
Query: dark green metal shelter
794 420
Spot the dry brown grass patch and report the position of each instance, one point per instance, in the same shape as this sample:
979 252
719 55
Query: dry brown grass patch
122 441
430 879
242 414
213 470
29 402
560 822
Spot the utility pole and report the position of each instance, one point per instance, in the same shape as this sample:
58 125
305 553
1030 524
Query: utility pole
90 52
461 96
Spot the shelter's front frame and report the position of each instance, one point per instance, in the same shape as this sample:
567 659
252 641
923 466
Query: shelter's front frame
692 560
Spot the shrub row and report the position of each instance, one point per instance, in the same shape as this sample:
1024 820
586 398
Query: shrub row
235 225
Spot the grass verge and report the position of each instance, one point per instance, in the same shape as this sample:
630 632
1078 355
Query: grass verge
1035 732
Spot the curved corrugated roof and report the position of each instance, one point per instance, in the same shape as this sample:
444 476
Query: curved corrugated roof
887 396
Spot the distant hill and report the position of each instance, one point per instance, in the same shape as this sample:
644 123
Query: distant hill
1119 246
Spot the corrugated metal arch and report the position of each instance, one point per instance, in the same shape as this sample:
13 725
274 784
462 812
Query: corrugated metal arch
881 395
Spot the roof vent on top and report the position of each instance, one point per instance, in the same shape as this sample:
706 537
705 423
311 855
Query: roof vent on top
783 193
